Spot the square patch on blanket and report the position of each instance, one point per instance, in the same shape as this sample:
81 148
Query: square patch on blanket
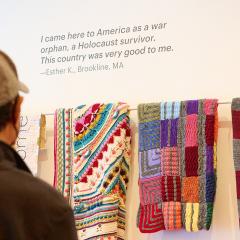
192 107
172 214
148 112
170 110
150 218
150 163
210 106
171 188
150 190
209 159
191 161
149 135
210 187
209 130
190 189
170 161
191 130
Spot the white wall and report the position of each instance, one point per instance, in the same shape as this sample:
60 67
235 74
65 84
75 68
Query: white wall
205 63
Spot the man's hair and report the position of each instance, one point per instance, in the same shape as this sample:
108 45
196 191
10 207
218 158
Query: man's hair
6 111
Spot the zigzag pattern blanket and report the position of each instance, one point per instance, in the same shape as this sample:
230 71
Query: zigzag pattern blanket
92 153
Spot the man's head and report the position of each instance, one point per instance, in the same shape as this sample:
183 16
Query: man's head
10 101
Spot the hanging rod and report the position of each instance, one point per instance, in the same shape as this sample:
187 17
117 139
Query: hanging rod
135 109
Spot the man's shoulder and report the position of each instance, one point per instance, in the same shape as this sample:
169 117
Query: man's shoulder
23 186
41 206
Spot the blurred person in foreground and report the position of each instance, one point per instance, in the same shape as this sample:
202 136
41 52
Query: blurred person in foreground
30 209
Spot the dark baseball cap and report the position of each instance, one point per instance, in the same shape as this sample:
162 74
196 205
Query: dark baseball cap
10 85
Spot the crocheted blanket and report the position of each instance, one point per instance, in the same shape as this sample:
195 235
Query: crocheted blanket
92 146
236 144
177 165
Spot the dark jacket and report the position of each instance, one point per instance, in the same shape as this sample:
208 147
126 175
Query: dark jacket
30 209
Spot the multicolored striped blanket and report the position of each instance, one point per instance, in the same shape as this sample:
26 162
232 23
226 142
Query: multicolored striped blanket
92 155
177 165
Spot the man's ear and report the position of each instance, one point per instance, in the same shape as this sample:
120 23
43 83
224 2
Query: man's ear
17 110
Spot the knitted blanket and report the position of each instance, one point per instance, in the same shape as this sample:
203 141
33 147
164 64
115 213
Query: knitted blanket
92 163
177 165
236 144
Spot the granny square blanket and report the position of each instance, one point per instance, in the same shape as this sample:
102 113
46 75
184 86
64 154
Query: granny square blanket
177 165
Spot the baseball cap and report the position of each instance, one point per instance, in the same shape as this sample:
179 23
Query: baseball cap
9 82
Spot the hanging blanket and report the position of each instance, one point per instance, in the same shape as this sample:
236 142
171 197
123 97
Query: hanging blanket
92 153
177 165
236 144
